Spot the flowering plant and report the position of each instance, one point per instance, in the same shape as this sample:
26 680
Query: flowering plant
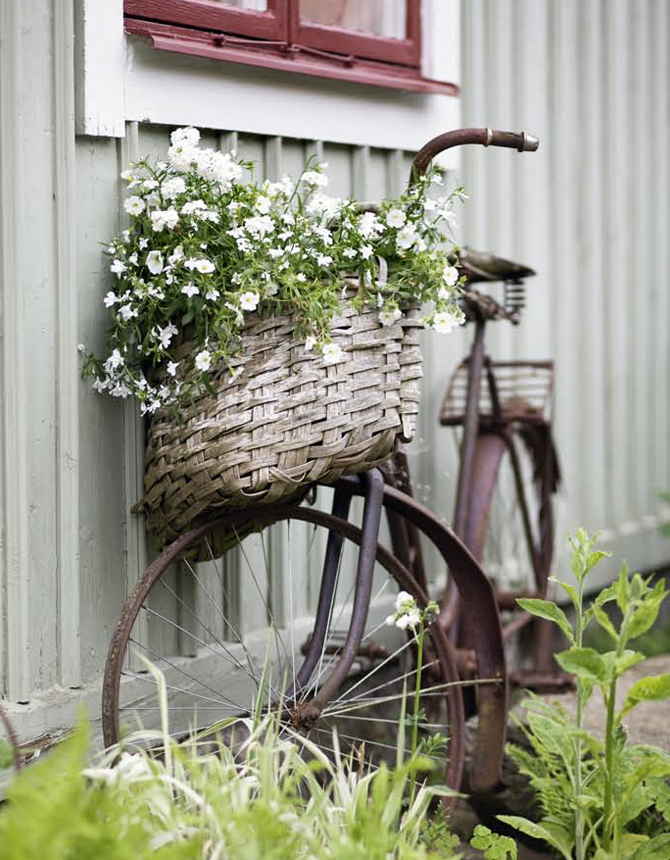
205 248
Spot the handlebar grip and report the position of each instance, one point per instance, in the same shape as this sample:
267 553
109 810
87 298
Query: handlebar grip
483 136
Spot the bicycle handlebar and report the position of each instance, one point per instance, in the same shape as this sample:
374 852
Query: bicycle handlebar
483 136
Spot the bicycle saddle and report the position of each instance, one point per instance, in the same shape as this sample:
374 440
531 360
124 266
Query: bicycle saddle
480 266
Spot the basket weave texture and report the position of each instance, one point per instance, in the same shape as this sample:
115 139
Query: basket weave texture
285 420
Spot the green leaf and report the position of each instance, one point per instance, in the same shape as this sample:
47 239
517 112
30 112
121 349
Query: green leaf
627 659
584 663
646 612
630 842
622 588
537 831
652 689
603 620
570 590
547 609
656 849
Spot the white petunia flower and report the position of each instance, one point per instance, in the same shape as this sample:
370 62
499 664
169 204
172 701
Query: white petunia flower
117 267
450 275
185 136
262 205
134 205
389 317
259 225
369 224
176 255
444 322
111 299
314 178
193 207
249 301
203 360
162 218
190 290
332 353
154 262
172 368
310 343
205 267
149 185
128 175
395 218
407 236
172 187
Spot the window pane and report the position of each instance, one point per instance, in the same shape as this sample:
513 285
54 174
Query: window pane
254 5
376 17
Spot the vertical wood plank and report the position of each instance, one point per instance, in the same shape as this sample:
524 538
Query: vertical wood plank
16 554
67 371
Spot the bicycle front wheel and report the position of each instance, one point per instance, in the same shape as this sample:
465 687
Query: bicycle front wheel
231 618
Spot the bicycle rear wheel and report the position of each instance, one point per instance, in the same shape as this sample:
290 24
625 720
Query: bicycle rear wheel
509 523
221 663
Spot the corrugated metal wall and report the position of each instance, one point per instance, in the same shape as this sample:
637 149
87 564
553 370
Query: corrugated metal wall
589 211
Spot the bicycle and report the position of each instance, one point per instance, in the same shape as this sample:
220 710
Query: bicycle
180 615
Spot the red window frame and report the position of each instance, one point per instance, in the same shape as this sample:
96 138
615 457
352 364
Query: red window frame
279 39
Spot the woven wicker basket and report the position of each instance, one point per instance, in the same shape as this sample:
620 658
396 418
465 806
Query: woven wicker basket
285 420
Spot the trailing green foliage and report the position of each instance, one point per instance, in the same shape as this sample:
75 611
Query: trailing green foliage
601 799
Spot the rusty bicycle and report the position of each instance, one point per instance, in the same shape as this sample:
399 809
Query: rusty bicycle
315 648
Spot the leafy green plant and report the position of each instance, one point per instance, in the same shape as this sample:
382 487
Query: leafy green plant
598 797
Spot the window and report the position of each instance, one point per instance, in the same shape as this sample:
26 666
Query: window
368 41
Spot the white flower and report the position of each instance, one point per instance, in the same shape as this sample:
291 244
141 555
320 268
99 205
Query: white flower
322 204
444 322
193 206
249 301
120 390
162 218
149 185
134 205
407 613
182 156
100 385
332 353
212 294
143 242
262 205
118 267
203 360
172 187
259 225
133 258
111 299
81 347
450 275
350 252
176 255
324 260
310 343
166 334
128 175
395 218
314 178
127 312
200 264
190 290
301 277
407 236
366 252
389 317
185 136
368 225
172 368
271 288
154 262
114 361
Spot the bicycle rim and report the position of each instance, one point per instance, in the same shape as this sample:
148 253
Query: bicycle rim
229 635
